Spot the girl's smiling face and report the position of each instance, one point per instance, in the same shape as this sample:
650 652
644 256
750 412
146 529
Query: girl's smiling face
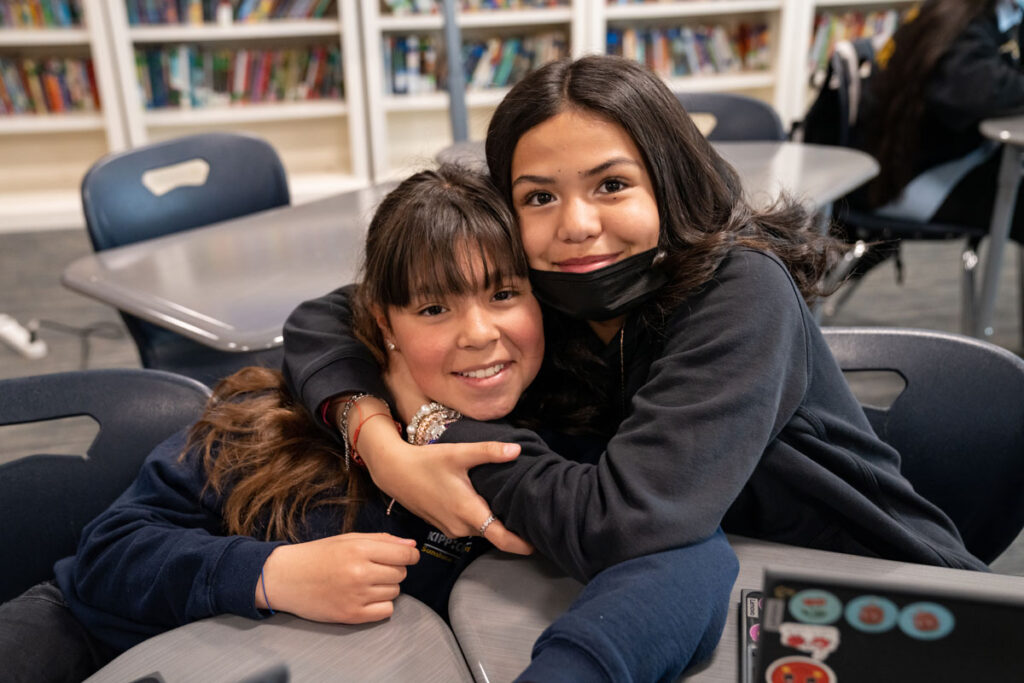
475 352
582 193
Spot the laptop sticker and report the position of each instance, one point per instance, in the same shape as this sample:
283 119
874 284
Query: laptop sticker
799 670
872 613
926 621
814 639
814 606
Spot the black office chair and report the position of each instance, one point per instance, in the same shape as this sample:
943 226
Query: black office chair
958 424
833 120
737 117
46 500
123 205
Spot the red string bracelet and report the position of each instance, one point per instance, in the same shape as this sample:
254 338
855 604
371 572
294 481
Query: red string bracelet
355 435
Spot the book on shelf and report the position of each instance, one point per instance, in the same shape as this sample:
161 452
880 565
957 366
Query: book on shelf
405 7
412 64
193 76
689 50
197 12
47 86
40 13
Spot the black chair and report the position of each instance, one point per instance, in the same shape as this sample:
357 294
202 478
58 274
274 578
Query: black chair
958 424
833 120
737 117
123 205
46 500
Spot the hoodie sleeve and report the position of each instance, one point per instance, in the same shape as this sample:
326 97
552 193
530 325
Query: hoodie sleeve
158 557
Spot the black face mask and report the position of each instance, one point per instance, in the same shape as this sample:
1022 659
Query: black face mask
605 293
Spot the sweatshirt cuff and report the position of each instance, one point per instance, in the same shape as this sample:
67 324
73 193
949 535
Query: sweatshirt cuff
233 589
557 661
361 377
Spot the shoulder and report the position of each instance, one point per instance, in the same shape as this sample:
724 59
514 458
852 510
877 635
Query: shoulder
750 272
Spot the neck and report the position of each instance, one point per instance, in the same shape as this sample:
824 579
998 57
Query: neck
607 329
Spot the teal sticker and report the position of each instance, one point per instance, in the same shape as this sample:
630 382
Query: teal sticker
814 606
871 613
926 621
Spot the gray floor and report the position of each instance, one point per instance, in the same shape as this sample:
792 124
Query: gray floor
31 263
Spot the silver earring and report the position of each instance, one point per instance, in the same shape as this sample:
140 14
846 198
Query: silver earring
390 345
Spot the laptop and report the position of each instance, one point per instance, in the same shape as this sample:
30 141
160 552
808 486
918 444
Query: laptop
804 627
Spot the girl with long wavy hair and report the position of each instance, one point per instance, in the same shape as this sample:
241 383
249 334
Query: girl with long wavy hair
680 350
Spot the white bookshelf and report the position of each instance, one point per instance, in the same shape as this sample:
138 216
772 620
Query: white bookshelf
406 131
771 85
44 156
322 143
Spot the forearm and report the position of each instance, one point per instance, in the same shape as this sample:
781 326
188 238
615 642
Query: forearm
646 619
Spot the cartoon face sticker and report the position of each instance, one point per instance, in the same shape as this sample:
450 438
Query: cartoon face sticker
926 621
799 670
817 640
813 606
871 613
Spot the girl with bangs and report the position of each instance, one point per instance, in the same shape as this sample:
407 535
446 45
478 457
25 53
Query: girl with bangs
256 509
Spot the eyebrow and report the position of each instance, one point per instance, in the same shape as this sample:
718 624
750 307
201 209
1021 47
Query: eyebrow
600 168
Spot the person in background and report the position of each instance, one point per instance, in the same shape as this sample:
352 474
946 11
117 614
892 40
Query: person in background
950 65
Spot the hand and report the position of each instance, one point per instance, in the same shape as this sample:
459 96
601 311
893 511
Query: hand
348 579
433 483
406 393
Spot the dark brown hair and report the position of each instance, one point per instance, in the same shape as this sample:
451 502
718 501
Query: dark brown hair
899 85
260 449
700 199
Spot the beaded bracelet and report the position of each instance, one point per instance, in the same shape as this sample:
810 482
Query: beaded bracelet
343 425
429 423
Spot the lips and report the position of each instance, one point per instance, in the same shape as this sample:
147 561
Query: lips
585 264
483 373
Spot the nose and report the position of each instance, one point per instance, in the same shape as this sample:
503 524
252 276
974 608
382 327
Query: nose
478 328
579 221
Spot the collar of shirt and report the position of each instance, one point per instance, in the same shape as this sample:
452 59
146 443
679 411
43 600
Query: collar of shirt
1008 14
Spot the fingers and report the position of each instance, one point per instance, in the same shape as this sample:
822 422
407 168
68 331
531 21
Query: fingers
503 539
471 455
390 551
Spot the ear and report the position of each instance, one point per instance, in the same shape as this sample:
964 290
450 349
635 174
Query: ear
381 318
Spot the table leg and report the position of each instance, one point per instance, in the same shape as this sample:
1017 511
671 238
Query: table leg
999 233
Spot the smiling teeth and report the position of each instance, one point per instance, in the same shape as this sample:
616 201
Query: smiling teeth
486 372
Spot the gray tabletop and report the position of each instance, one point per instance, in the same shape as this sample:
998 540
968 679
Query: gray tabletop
502 603
413 645
232 285
1004 129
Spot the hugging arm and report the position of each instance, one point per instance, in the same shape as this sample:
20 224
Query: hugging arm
732 372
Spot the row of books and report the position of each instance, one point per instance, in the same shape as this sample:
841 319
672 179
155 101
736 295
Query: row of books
434 6
190 76
42 86
694 50
412 65
206 11
40 13
832 27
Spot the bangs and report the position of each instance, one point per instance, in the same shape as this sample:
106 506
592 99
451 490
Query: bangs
450 250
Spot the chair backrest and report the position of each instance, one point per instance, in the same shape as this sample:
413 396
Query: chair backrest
172 186
244 175
958 424
46 500
737 117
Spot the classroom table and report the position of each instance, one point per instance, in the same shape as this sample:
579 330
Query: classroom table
1009 131
499 606
232 285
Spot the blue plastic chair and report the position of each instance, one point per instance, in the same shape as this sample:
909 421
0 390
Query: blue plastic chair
245 175
958 424
46 500
737 117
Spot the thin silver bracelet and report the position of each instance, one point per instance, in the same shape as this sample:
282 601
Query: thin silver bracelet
343 425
